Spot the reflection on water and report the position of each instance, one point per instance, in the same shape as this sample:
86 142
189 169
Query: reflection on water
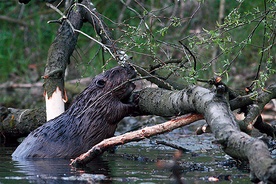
49 170
130 164
111 168
59 171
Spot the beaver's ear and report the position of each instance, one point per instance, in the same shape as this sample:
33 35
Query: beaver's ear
100 83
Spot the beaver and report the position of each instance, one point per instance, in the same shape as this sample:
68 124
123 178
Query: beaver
92 117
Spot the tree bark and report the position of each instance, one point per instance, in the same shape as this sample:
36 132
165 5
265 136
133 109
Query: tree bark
62 48
217 113
58 57
16 123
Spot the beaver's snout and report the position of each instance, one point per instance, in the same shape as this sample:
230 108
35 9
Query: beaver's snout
130 70
130 86
129 89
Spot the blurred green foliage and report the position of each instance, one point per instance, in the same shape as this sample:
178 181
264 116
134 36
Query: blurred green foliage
150 31
24 38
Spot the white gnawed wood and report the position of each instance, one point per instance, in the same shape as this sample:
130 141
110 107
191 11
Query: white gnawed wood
54 104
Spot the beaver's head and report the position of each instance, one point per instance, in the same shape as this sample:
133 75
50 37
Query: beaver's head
116 82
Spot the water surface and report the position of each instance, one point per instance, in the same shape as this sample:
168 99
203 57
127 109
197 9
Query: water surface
132 163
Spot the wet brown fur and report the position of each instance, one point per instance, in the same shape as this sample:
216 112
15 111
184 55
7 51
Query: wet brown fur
92 117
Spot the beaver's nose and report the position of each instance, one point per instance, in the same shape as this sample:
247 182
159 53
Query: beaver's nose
130 70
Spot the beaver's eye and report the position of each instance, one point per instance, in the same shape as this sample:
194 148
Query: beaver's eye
100 83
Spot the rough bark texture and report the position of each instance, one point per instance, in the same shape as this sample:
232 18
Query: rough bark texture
60 51
20 122
64 44
217 112
218 115
94 18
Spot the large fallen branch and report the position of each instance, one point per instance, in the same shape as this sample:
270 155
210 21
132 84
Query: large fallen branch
217 113
134 136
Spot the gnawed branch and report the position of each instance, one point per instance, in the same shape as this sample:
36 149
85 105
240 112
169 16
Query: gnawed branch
134 136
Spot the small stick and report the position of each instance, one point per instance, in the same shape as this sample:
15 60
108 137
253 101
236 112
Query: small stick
175 146
138 135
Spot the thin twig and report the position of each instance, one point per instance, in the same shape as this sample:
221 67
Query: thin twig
79 31
158 81
159 65
262 53
175 146
190 52
99 20
11 20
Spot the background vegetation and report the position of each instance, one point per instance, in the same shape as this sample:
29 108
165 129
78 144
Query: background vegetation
227 38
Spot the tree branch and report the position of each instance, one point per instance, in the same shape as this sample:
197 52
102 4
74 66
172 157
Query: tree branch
15 123
134 136
217 114
16 21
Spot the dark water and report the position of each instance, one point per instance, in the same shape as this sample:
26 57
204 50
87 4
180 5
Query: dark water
133 163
